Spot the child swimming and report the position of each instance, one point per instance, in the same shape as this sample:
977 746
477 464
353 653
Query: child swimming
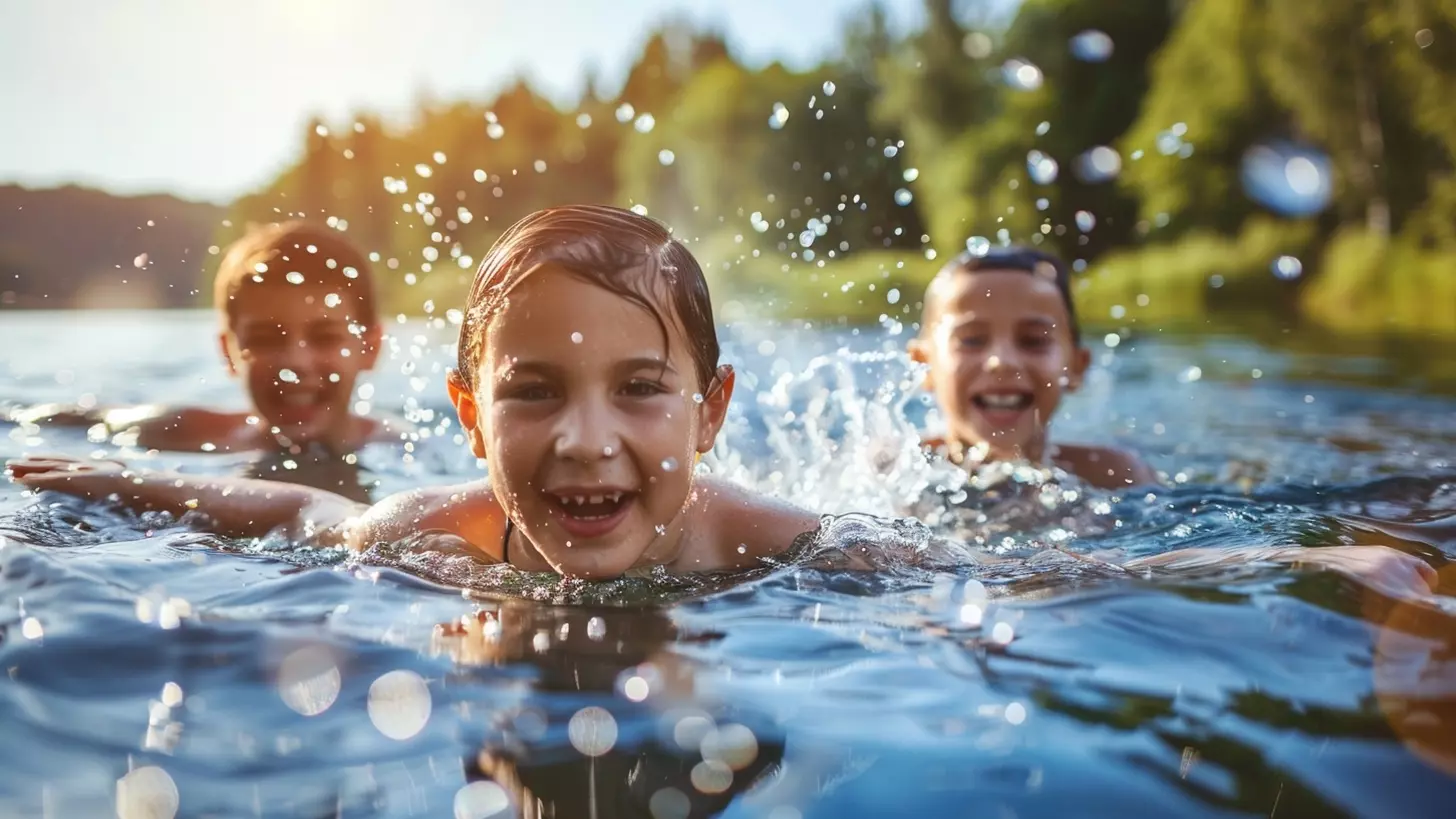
298 325
589 381
999 335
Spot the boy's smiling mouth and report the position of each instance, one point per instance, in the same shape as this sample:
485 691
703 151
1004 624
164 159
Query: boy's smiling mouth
1003 400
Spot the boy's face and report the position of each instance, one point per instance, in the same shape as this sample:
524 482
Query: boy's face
591 434
1001 355
295 351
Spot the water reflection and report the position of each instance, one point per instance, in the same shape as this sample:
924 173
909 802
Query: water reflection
637 741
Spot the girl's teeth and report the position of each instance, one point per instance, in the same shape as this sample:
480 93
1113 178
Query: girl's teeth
596 498
579 500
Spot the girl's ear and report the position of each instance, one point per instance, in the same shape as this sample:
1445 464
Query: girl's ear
1081 360
467 410
714 408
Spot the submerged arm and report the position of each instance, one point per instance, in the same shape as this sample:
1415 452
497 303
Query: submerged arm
238 507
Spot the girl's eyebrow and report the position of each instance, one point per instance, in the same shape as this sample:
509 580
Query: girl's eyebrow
518 366
646 363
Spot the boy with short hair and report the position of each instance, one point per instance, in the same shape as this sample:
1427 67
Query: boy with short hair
299 323
999 334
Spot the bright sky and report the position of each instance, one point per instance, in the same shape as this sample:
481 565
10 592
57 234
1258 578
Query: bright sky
208 98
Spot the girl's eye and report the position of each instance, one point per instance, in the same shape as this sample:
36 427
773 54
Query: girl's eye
638 388
971 342
530 392
1036 342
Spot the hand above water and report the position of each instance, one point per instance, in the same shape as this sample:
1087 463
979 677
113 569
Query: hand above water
87 478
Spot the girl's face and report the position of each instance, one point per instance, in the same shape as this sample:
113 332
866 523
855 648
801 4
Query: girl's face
590 427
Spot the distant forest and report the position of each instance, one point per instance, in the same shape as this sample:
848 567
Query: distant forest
1191 158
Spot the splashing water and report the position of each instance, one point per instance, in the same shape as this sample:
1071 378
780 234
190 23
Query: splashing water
993 635
1092 46
1287 178
1041 168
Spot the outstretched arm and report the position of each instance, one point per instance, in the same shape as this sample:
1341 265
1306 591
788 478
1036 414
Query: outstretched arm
237 507
1383 568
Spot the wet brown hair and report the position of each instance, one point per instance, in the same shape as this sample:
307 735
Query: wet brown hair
320 254
1017 258
617 250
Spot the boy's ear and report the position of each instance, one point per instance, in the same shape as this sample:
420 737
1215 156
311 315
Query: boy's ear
373 337
467 410
1081 360
715 408
226 348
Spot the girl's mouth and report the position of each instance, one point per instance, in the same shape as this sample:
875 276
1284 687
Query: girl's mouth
590 513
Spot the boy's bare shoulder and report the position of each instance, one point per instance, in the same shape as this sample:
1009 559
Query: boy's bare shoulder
186 428
1104 467
468 511
747 525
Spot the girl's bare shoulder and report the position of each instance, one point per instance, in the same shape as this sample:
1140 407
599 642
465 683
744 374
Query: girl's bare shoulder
745 526
468 510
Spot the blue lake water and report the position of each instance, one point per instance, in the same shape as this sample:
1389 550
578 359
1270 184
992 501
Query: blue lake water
152 671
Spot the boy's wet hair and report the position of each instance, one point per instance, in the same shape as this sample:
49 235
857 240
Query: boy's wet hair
1014 257
617 250
319 254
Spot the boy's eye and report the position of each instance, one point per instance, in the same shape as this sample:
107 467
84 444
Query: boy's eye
1036 342
642 388
970 342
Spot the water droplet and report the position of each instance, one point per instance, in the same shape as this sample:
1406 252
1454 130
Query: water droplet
1425 37
697 398
1016 713
636 688
294 277
625 112
140 262
423 170
332 300
911 174
576 338
147 792
904 197
669 464
978 245
481 800
596 628
287 376
1091 46
1112 340
1085 221
1117 311
583 120
893 297
1041 168
779 117
1287 268
31 629
1190 375
592 731
1286 178
1101 164
645 124
1002 633
1021 75
495 130
977 45
1043 127
308 681
828 88
399 704
666 157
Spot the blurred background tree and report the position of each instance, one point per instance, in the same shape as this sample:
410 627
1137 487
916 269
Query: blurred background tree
1193 158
